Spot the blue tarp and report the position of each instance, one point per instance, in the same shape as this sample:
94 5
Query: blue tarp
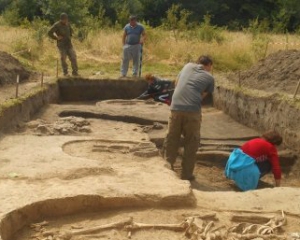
243 170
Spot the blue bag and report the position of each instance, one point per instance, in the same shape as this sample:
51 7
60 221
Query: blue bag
243 170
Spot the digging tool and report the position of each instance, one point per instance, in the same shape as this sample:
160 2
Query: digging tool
141 61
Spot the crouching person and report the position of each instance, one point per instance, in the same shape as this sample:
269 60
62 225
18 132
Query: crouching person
160 90
253 160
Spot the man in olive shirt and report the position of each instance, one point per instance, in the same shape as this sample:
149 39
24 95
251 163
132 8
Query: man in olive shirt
61 31
193 84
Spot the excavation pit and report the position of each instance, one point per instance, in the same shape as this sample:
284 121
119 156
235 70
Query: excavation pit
106 153
110 219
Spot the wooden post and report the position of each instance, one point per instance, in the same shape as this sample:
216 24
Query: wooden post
297 88
56 68
286 41
17 86
240 78
42 80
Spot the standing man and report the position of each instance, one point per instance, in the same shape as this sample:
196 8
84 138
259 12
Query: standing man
62 32
193 84
133 37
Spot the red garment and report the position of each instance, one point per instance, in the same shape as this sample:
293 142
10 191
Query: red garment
262 150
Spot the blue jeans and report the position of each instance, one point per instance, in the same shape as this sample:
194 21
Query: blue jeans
131 52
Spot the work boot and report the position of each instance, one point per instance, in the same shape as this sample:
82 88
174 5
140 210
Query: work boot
191 178
75 74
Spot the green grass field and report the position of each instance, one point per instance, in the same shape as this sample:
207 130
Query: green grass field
164 52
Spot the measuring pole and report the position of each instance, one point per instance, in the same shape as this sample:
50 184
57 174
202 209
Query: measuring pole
17 86
141 61
56 68
297 88
42 80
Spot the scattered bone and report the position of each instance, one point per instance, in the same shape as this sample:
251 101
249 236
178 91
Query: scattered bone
68 235
251 219
172 227
196 227
246 230
202 216
49 233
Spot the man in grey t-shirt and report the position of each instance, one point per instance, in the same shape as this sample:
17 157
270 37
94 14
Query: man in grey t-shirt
193 84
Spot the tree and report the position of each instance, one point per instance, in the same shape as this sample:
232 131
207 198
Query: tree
77 10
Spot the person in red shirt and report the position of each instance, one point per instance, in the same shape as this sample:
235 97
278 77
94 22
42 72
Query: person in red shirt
263 151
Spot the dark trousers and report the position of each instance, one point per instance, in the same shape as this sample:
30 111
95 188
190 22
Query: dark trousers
71 54
264 167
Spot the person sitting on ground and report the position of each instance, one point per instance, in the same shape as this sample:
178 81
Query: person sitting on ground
160 90
263 154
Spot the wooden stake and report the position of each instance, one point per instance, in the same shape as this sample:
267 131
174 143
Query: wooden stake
42 80
56 68
17 86
297 88
239 78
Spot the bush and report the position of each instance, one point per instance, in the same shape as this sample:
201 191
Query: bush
11 16
209 33
41 29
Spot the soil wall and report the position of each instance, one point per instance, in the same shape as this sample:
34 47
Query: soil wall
262 113
14 112
78 89
73 90
55 208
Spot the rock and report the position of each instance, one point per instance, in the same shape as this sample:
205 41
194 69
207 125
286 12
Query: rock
147 129
80 122
64 131
85 129
146 153
42 128
33 124
158 126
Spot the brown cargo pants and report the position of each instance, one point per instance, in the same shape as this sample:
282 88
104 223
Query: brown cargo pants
187 124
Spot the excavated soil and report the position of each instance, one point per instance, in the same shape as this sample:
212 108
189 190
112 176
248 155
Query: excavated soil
10 67
279 72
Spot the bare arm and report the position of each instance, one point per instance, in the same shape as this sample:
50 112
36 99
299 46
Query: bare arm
203 95
52 33
124 38
144 36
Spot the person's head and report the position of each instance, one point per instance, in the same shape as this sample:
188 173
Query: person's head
64 18
273 137
206 62
149 78
133 20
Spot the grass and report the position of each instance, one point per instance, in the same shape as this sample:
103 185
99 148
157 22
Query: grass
164 54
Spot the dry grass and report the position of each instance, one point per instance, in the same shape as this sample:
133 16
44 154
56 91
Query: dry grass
163 53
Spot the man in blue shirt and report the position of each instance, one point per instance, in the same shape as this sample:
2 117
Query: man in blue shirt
133 37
